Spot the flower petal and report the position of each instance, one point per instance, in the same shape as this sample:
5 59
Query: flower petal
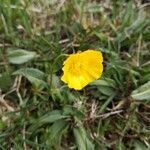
82 68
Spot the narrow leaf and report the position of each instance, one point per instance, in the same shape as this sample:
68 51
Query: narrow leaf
56 131
20 56
35 76
52 117
104 82
142 93
82 140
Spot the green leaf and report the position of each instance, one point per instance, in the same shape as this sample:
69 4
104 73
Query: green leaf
35 144
35 76
2 125
52 117
20 56
71 110
82 140
107 102
56 131
5 81
106 86
55 81
126 19
106 90
138 145
104 82
135 27
142 93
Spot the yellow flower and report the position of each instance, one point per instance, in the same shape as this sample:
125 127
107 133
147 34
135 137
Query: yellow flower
82 68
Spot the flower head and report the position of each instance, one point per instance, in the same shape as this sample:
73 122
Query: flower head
82 68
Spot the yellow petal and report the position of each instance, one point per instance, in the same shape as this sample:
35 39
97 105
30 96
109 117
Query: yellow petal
82 68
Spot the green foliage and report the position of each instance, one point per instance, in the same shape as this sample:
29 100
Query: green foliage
143 92
38 111
35 76
83 143
20 56
5 80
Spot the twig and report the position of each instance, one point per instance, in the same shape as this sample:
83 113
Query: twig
18 87
4 103
106 115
